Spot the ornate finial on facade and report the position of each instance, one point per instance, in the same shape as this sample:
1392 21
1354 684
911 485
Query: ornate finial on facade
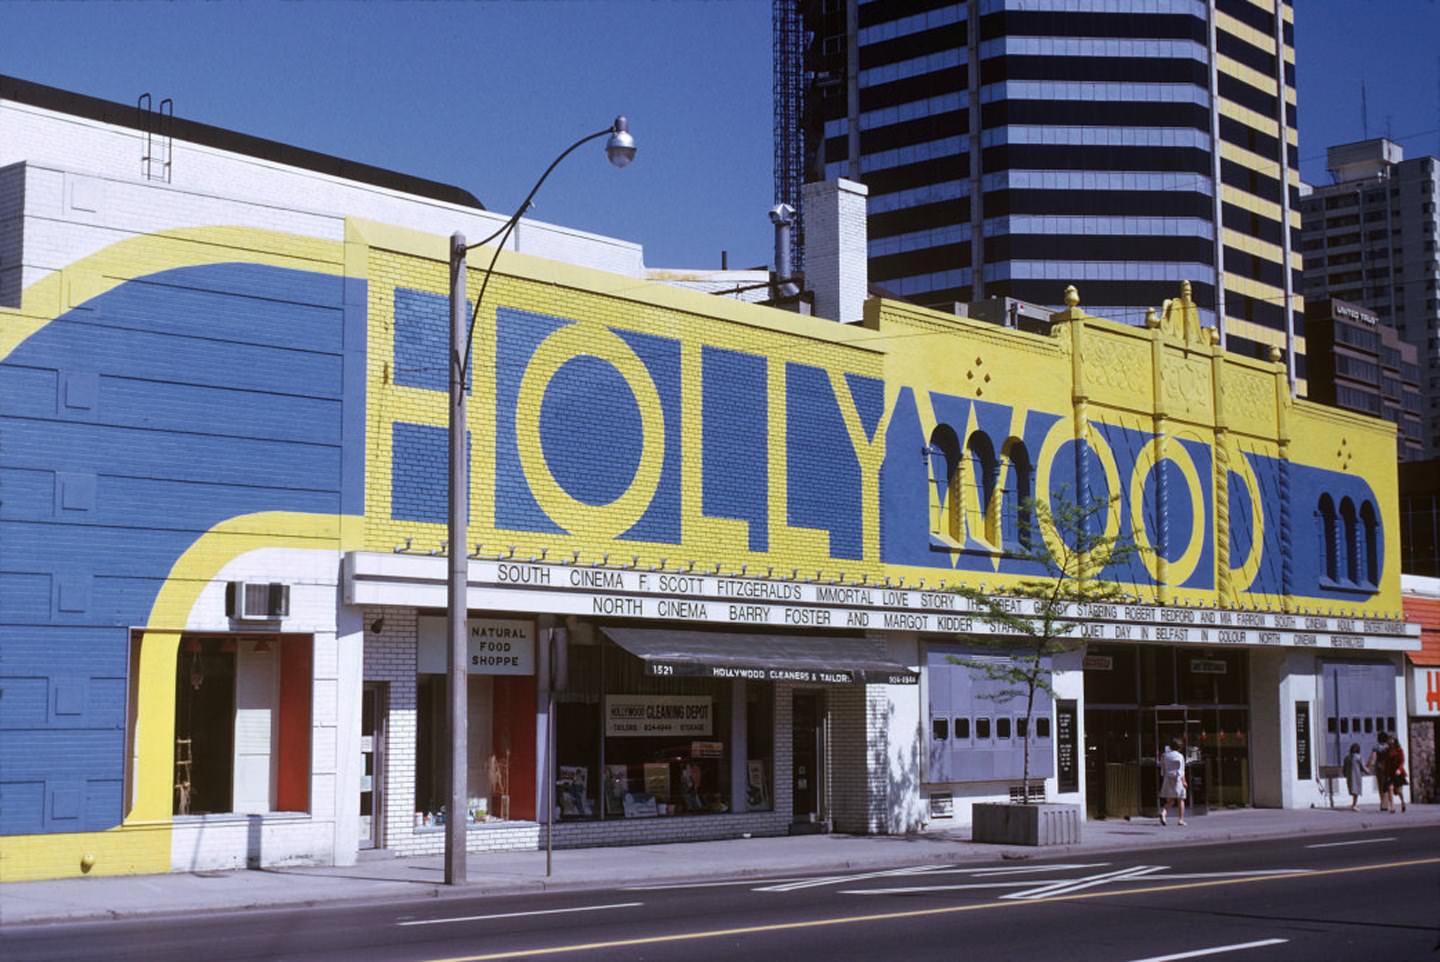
1214 336
1072 296
1152 320
1185 292
1274 354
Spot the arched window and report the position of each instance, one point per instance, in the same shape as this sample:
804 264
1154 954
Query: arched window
983 508
1350 546
946 518
1370 531
1019 495
1328 534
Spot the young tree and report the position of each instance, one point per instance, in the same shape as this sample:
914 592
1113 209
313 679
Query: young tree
1040 617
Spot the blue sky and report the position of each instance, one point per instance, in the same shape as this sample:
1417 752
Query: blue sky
484 95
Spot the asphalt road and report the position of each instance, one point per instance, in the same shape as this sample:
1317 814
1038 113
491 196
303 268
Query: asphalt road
1375 899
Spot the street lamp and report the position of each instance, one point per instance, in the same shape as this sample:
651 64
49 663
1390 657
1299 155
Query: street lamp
620 149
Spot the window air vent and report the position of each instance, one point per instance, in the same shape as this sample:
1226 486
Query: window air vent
257 601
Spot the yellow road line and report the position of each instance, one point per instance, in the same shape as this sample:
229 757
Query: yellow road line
915 913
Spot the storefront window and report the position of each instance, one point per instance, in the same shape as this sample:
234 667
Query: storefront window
1109 675
760 747
242 724
1213 678
1157 676
500 744
632 745
1139 699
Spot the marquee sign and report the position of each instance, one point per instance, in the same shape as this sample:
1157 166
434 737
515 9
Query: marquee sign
420 581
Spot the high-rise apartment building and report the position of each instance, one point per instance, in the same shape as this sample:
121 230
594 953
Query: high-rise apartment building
1371 237
1012 147
1361 365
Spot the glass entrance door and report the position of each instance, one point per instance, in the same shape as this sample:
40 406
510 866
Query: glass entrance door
372 740
808 745
1181 729
1224 756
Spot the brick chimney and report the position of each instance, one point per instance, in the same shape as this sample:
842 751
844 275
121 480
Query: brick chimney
836 248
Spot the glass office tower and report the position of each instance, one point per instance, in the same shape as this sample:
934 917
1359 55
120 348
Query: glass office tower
1012 147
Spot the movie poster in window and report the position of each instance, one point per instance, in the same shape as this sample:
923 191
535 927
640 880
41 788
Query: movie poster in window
757 792
617 784
571 784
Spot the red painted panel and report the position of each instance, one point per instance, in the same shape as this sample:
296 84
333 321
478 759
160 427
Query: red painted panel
292 790
514 730
1425 612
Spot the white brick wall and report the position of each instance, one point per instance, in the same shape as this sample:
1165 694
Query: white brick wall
390 657
325 834
836 248
849 769
212 187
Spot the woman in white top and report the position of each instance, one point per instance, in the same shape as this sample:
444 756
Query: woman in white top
1172 788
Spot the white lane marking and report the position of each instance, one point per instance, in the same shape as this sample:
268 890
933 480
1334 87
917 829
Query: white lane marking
1248 873
518 915
1362 841
1215 951
908 890
713 885
1053 887
840 879
1074 885
1019 869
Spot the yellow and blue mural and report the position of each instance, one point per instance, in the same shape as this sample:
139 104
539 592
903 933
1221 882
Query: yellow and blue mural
178 400
905 447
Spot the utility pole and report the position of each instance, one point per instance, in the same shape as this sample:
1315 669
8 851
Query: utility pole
457 815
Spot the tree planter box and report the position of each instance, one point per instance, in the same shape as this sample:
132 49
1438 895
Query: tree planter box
1003 823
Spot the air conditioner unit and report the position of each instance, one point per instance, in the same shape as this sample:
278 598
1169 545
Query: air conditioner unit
257 601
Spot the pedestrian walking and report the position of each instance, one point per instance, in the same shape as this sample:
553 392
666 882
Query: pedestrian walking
1172 784
1398 779
1378 764
1355 776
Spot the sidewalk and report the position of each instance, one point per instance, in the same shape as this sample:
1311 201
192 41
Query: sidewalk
377 878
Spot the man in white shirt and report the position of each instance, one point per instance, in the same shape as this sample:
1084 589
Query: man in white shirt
1172 785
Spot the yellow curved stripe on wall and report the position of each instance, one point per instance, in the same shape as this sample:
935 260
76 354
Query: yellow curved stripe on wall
101 272
142 843
196 569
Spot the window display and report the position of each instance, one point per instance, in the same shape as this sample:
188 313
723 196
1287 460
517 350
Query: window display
632 745
501 749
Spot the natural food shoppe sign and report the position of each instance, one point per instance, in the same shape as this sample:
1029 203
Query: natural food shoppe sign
645 715
495 646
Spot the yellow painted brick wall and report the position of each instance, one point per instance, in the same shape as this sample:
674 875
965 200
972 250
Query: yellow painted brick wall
1235 408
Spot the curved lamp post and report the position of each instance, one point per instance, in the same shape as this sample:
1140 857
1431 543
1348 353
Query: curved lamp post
620 149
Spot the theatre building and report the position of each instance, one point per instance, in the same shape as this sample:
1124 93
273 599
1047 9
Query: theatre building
713 545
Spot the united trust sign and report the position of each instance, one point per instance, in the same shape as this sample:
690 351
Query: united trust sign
419 581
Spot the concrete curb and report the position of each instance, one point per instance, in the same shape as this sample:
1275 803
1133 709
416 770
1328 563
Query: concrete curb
396 892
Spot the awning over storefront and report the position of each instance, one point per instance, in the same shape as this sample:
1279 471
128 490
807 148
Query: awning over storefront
808 660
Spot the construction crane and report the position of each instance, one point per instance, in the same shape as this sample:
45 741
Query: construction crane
788 27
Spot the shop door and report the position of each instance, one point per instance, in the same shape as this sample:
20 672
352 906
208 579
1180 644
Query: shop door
809 752
1112 763
372 743
1182 729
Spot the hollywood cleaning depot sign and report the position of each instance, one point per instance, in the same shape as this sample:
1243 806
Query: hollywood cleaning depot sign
649 715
